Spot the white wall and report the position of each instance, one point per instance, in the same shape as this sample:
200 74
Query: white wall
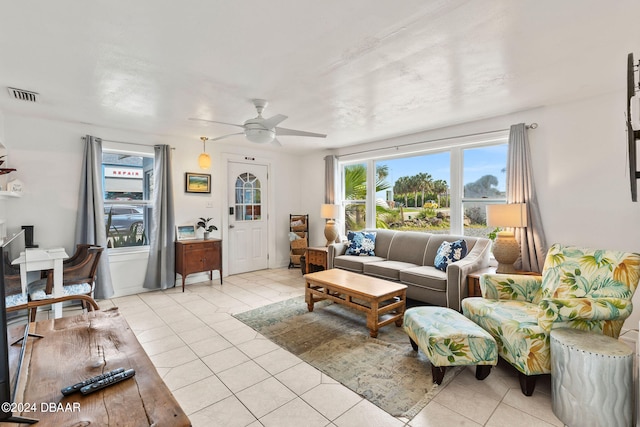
48 154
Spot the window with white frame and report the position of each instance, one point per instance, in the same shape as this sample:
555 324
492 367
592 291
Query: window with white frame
443 189
128 194
354 179
484 180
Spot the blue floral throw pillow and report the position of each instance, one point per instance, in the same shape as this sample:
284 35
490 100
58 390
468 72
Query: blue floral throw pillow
361 243
449 252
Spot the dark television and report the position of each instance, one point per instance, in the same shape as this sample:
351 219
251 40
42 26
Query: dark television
10 250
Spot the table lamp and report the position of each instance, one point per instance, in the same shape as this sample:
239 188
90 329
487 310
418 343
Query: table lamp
506 248
330 212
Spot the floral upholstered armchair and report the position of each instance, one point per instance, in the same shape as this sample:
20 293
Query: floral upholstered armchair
580 288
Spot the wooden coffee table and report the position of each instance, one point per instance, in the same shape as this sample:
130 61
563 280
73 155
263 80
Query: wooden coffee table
383 301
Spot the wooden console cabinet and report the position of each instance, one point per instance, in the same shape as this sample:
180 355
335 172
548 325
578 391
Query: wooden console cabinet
196 256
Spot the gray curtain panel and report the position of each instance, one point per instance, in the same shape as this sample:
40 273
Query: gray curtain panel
90 222
330 165
521 189
161 266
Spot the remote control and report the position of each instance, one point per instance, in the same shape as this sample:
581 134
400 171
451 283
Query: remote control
76 387
113 379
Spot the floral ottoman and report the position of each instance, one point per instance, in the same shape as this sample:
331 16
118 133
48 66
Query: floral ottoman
449 339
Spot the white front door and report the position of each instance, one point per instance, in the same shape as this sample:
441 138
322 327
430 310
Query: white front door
248 227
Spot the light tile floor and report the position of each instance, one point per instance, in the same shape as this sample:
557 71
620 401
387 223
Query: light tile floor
224 373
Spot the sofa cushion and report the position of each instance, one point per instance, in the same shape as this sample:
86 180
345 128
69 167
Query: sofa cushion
408 246
362 243
383 241
425 277
389 270
514 324
354 263
449 252
436 240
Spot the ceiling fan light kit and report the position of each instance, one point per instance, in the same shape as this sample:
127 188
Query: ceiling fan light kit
260 136
260 130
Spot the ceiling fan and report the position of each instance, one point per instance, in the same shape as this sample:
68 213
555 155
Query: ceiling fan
261 130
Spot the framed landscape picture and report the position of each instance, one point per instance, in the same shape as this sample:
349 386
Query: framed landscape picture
186 232
197 182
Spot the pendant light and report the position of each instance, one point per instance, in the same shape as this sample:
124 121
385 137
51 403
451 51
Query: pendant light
204 161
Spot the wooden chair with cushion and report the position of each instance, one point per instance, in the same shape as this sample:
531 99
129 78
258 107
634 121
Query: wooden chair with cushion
78 281
82 250
14 299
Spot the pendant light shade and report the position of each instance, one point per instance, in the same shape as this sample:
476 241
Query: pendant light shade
204 161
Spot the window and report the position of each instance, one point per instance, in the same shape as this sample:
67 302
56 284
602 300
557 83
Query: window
484 182
354 180
248 198
413 193
443 189
128 190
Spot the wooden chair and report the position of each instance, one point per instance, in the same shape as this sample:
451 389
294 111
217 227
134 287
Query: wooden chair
82 251
78 282
15 300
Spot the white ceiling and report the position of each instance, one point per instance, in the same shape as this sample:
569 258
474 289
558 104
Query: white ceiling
357 70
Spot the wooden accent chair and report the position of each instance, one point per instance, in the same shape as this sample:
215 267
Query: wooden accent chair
15 300
78 282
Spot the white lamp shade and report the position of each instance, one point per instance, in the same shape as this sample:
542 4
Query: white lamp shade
329 211
511 215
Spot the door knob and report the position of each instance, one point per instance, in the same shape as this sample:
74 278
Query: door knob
231 226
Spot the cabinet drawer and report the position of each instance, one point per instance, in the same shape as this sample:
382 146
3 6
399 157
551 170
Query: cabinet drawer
190 247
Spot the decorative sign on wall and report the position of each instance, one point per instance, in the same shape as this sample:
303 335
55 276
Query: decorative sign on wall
15 186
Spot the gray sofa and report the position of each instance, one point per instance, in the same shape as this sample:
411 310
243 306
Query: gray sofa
408 257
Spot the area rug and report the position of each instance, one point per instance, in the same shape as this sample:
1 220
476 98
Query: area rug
335 340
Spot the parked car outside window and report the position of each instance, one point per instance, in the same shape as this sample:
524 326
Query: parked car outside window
125 219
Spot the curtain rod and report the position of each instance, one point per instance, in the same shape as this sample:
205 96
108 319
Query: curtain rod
125 142
531 126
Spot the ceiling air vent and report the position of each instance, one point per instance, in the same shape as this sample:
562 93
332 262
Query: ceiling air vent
23 95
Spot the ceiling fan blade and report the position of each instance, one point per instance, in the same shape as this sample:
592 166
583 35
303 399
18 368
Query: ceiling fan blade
274 121
225 136
215 121
276 142
293 132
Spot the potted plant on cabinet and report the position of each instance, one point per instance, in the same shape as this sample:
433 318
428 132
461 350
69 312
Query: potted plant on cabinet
204 223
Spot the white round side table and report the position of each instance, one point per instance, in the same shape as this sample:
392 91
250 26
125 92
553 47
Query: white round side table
591 379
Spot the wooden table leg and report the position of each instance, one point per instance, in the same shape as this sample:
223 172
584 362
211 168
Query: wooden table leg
372 319
401 310
308 296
